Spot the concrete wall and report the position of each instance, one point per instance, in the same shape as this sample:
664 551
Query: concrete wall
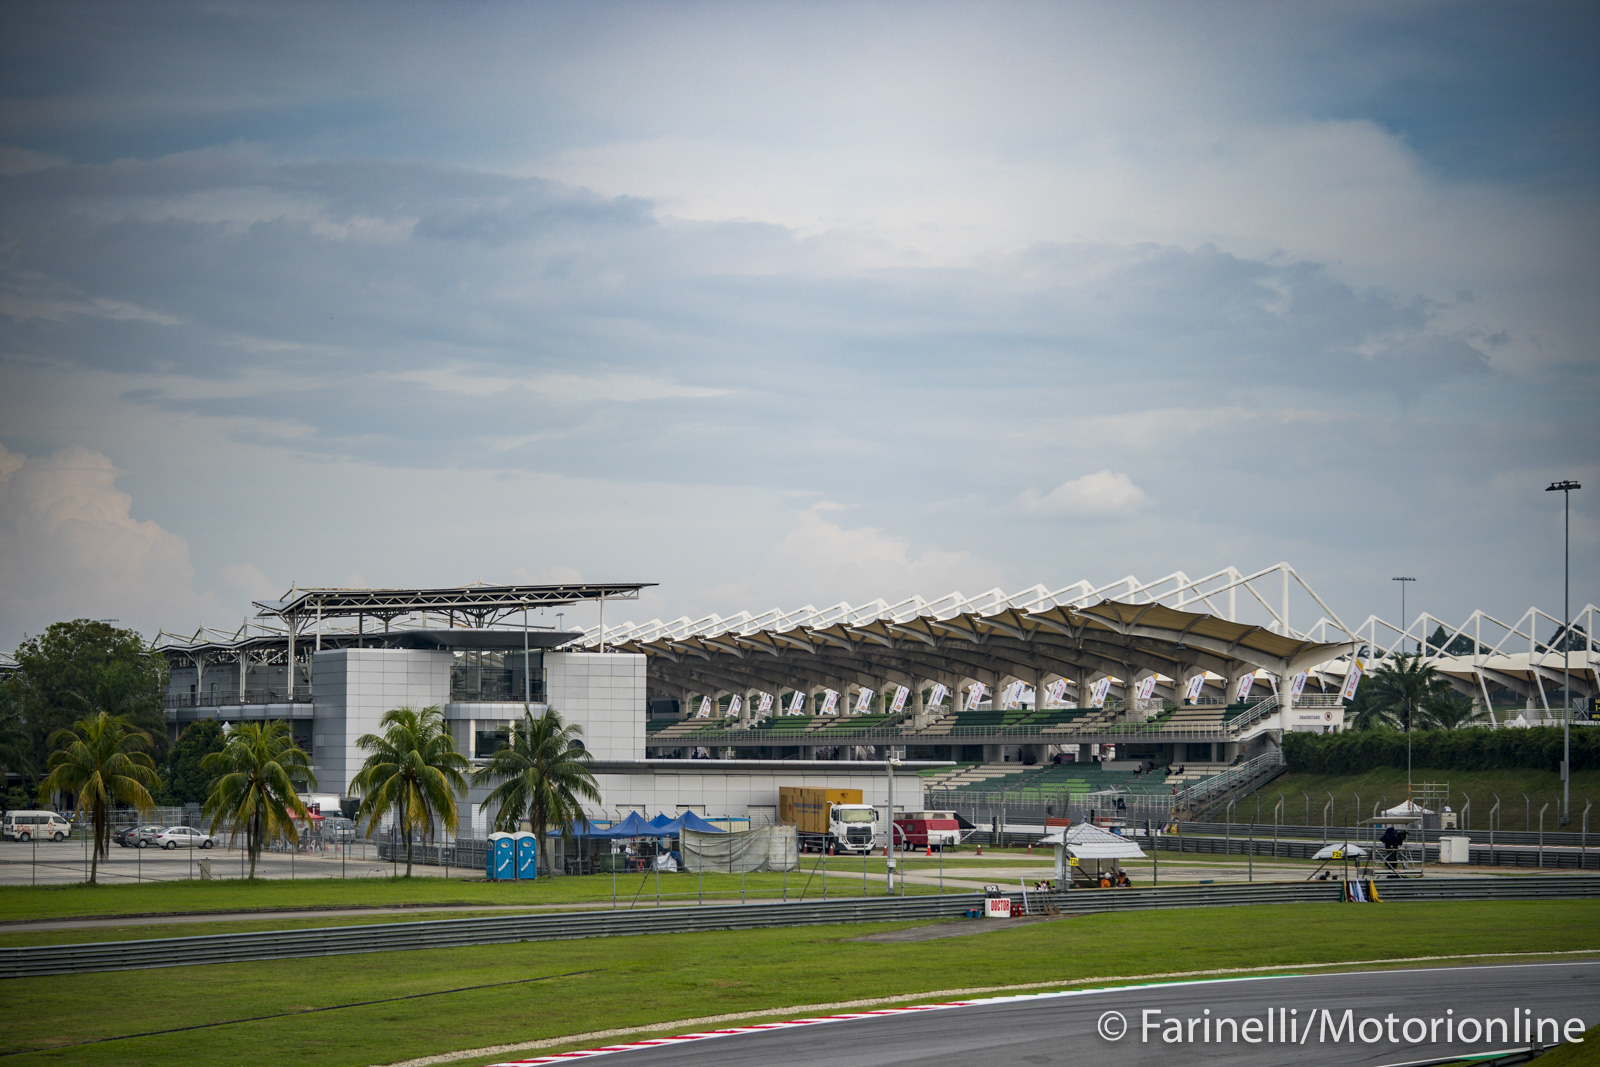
352 688
604 693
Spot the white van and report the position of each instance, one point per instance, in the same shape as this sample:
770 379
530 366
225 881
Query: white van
27 825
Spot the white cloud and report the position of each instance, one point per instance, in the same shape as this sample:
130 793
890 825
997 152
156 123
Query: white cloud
70 548
1102 495
823 562
250 580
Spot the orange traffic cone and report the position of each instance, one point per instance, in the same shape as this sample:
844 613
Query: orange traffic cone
1030 848
930 849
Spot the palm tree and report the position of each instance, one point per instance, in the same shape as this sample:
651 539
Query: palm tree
413 770
254 789
1450 711
101 758
1401 688
1364 712
544 776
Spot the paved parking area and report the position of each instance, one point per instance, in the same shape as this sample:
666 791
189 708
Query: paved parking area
65 862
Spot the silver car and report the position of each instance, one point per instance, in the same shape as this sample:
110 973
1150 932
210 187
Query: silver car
184 837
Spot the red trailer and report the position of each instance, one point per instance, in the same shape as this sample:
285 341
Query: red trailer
922 829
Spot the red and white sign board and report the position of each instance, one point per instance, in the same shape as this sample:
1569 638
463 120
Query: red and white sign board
997 908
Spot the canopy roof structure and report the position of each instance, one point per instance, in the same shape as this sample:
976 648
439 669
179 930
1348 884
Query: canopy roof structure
1089 842
1075 633
484 605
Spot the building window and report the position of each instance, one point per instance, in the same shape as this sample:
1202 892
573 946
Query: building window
481 676
489 737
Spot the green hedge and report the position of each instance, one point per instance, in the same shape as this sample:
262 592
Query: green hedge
1536 747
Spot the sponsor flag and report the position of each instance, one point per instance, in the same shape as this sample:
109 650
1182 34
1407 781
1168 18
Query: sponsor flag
1351 680
937 696
863 700
900 699
1298 686
831 703
795 701
1244 688
735 705
766 703
1196 684
1057 690
705 708
1147 687
1101 688
974 695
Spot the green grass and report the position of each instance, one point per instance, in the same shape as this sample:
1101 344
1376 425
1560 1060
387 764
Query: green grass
1541 786
642 980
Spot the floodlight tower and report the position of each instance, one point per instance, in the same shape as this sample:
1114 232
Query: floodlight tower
1565 488
1404 623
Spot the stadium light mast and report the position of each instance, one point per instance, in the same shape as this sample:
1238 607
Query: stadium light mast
1565 488
1404 623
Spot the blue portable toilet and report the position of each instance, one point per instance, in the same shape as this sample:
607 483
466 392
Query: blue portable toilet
527 846
501 858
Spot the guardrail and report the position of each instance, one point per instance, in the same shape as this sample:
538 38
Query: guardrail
34 961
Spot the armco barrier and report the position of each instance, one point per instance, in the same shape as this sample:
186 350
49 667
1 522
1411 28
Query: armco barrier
39 960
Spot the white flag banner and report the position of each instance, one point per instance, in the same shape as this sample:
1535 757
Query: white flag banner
1057 690
1196 684
974 695
796 701
863 700
735 705
766 703
1101 688
1351 681
1147 687
831 704
900 699
937 696
1244 688
705 708
1298 686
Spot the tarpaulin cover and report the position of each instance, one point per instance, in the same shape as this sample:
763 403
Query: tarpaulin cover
763 848
1326 851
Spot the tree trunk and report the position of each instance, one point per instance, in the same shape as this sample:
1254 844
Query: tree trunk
406 818
253 842
96 820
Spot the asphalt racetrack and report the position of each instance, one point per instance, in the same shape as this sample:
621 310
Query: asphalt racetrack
1062 1028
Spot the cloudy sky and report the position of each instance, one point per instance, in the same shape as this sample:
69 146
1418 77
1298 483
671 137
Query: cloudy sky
788 303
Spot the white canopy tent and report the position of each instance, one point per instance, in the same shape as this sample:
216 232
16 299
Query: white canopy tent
1087 842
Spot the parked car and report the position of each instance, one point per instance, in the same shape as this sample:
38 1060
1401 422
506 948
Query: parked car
184 837
27 825
136 836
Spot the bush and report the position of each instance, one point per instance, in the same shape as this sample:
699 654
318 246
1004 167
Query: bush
1535 748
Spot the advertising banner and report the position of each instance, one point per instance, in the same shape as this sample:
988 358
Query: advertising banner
1147 687
1196 684
735 705
830 705
863 700
1244 688
974 695
796 701
1299 686
705 708
1057 690
900 699
766 703
1351 680
936 697
1100 689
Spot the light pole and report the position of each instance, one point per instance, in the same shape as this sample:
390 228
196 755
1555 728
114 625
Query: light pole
1565 488
889 764
1404 623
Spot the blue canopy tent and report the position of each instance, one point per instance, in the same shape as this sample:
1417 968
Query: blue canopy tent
579 828
661 820
690 821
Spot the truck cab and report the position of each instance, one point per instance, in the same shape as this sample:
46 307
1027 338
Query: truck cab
853 826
